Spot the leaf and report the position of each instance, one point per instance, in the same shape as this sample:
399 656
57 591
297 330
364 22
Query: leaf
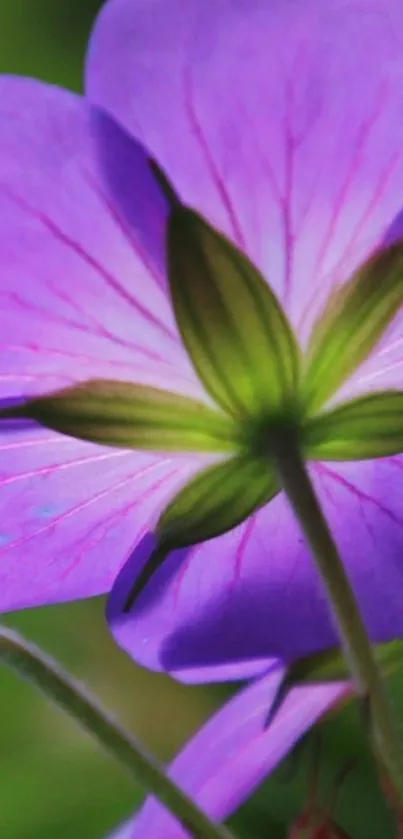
352 324
231 323
130 416
215 501
365 428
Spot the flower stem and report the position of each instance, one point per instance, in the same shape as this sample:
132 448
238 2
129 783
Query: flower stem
357 647
46 675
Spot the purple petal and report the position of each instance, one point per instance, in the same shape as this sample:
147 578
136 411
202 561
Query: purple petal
272 119
229 757
72 512
81 296
226 608
80 293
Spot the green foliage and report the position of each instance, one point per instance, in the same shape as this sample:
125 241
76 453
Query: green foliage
53 778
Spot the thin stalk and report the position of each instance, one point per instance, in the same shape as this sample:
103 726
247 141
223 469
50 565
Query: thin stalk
357 647
46 675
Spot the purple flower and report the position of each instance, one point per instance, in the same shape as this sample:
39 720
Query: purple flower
222 765
274 121
82 296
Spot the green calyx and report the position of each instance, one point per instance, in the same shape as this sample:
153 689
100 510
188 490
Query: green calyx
266 392
330 667
243 349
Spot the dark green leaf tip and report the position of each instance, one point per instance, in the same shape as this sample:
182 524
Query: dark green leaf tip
151 567
164 184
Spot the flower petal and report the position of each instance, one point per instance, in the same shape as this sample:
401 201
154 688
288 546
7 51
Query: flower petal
231 323
368 427
82 295
222 765
224 609
271 119
130 416
72 513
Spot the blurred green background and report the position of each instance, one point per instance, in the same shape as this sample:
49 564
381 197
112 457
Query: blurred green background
53 781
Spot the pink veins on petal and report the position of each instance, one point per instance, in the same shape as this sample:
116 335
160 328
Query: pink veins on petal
79 300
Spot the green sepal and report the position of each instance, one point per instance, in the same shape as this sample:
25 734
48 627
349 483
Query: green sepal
365 428
351 325
215 501
330 666
131 416
233 327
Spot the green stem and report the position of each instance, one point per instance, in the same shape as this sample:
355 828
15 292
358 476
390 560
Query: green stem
46 675
356 644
